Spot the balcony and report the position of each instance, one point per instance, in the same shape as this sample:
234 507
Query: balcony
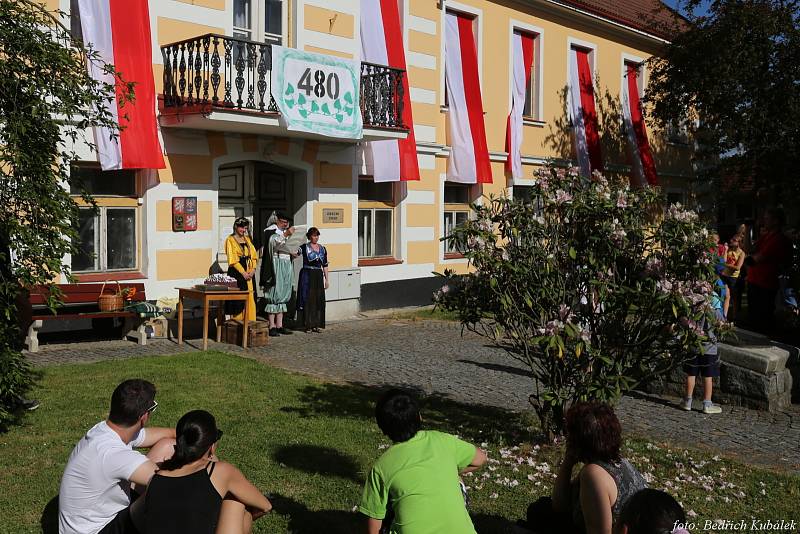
221 83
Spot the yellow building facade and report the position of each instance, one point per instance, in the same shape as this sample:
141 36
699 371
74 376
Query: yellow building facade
383 239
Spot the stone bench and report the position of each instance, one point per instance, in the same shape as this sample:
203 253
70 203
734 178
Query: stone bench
755 373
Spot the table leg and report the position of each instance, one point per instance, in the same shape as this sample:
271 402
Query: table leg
246 326
220 319
205 323
180 320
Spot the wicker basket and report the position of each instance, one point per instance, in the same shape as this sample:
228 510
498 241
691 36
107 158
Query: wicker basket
110 302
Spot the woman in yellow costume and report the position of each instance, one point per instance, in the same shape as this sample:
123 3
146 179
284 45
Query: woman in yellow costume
242 261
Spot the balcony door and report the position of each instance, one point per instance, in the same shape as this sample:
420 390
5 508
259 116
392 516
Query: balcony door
259 20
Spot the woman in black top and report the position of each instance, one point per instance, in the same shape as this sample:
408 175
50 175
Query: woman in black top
194 492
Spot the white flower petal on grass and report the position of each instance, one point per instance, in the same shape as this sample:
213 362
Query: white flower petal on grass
691 513
493 496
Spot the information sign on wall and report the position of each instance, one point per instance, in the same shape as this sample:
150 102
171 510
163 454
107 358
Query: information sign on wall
316 93
332 216
184 214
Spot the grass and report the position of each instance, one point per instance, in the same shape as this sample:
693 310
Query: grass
309 444
428 313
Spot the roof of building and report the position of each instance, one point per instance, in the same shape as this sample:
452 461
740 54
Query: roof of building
650 16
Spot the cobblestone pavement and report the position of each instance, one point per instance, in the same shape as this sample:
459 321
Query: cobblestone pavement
433 356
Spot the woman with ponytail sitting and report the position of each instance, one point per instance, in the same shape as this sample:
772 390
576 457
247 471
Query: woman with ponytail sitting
194 492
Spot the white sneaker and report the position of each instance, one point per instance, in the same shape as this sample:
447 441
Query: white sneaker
712 408
687 405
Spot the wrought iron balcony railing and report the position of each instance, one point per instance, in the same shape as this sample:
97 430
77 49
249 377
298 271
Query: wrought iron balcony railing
217 71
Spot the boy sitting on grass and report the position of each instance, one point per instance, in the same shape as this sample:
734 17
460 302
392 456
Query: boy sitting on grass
418 476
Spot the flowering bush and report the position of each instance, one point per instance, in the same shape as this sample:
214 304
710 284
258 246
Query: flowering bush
592 285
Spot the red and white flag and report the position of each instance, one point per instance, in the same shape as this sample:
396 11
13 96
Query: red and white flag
469 157
582 112
382 43
522 48
119 30
643 165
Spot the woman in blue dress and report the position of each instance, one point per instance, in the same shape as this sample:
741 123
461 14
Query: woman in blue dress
313 283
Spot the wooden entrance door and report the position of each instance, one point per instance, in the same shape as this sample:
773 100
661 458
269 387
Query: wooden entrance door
274 192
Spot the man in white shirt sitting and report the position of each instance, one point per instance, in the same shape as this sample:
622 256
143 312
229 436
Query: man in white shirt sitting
96 486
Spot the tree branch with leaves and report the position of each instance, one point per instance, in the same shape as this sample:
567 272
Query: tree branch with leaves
48 104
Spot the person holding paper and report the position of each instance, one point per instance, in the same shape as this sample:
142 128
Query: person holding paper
277 275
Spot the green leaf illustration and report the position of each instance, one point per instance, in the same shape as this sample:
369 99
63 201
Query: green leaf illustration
339 117
337 104
348 97
303 113
314 107
289 89
348 110
325 109
301 99
290 103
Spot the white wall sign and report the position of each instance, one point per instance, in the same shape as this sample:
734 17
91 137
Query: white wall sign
316 93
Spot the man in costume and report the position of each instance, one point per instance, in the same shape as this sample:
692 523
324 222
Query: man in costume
276 271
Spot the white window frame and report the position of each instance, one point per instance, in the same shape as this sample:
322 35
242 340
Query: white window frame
537 87
448 245
641 79
257 31
457 207
477 14
372 225
578 43
101 258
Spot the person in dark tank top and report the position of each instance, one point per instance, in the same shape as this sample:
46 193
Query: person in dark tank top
591 502
194 492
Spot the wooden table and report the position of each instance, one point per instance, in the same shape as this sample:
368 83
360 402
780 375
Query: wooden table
205 297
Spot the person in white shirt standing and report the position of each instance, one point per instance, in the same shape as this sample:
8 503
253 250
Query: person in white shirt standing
96 487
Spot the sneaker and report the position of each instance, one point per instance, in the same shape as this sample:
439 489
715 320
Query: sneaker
687 405
274 332
711 408
284 331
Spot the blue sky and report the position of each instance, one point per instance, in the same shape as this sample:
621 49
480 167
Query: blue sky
700 11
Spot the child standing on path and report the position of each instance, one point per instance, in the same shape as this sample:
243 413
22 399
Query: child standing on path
706 365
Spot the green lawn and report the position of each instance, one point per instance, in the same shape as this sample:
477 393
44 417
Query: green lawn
428 313
308 445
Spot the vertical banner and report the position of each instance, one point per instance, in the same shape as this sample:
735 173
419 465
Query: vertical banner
119 30
643 166
382 44
522 62
469 156
316 93
582 112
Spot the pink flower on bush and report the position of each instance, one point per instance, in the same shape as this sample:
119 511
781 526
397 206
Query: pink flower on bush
562 197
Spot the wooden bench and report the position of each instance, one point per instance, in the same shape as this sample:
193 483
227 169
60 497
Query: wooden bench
79 301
